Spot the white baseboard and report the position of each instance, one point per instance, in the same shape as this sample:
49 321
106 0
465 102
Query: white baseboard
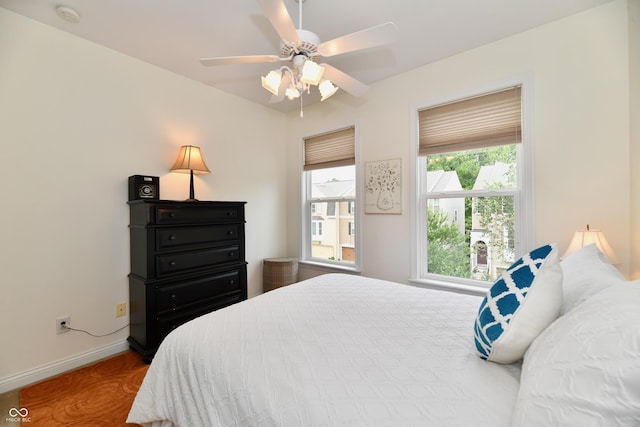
52 369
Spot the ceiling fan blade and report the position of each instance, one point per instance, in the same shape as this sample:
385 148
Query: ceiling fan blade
284 84
277 13
364 39
344 81
228 60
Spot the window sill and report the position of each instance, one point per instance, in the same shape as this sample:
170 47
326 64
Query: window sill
331 268
462 288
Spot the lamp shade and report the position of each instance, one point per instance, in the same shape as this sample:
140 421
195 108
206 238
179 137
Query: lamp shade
272 81
327 89
311 73
190 159
587 237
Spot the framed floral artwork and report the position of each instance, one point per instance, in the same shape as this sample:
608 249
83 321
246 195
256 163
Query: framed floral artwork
383 187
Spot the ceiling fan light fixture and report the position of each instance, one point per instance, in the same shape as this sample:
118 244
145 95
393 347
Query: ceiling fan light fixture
271 81
327 89
311 73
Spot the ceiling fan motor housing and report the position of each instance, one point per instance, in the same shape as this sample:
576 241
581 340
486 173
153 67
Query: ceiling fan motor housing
308 45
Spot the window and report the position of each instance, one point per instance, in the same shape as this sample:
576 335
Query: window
329 199
471 179
316 229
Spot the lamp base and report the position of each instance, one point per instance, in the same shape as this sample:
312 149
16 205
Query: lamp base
192 197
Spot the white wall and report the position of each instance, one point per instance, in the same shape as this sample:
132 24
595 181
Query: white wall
634 112
580 75
76 120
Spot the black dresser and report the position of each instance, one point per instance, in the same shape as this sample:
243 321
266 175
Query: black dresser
187 259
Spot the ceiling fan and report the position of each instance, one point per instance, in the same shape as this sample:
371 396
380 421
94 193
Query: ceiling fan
303 48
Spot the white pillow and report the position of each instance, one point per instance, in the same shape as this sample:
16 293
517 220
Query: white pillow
585 273
584 369
520 304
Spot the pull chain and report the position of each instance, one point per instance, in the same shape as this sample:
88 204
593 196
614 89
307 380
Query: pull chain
301 112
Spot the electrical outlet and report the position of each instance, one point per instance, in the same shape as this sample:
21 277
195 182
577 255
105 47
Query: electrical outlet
61 322
121 309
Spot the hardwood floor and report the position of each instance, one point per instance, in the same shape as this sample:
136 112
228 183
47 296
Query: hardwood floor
100 394
9 401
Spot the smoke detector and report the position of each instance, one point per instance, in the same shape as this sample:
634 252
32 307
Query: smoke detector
68 14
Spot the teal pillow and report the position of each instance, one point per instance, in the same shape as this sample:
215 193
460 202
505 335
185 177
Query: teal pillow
519 306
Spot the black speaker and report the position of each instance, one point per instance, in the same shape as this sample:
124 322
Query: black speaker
144 187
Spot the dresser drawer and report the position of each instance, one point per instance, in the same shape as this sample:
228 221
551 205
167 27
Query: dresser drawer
187 214
197 290
169 238
169 322
183 261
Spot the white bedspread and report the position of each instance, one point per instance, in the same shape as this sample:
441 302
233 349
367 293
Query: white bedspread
336 350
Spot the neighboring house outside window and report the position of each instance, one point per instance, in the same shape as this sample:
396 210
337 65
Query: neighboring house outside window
332 197
471 177
329 216
493 222
317 224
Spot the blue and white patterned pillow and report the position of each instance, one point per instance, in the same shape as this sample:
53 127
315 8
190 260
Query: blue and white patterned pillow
519 306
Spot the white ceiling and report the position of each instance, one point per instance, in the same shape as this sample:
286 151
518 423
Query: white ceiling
175 34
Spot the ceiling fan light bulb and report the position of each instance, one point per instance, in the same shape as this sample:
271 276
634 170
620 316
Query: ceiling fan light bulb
272 81
327 89
311 73
292 93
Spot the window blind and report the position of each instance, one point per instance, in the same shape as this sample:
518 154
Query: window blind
330 150
482 121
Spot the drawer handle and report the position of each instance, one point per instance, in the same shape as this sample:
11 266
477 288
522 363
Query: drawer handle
230 232
172 263
232 282
172 214
229 213
232 253
173 296
172 237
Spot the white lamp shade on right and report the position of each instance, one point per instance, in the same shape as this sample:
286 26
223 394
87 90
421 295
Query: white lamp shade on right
587 237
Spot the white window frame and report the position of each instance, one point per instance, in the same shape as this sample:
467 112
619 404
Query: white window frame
524 224
306 214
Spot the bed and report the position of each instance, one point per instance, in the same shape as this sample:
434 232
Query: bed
344 350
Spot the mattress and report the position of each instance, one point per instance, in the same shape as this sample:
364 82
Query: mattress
335 350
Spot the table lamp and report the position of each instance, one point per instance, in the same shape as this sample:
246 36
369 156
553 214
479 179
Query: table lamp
586 237
190 161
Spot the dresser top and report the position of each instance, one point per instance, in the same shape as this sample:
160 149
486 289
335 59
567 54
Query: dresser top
182 202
